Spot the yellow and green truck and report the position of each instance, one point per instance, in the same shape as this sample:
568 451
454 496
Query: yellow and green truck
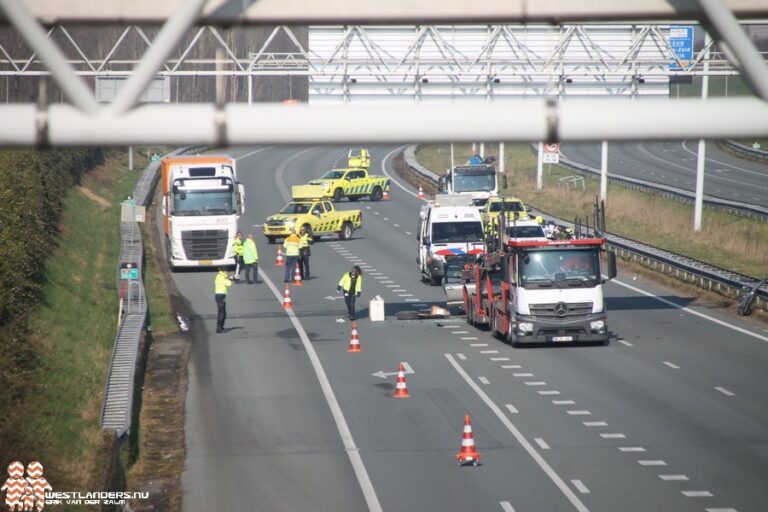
351 182
316 214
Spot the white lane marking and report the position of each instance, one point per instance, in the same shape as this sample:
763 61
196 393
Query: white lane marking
694 312
579 413
412 300
580 486
511 366
697 494
243 157
534 454
605 435
400 290
672 365
396 225
500 359
630 449
652 463
375 273
450 326
408 233
375 213
405 295
462 357
673 478
484 380
542 444
394 180
750 171
379 278
489 351
625 342
594 423
563 402
385 218
281 170
465 338
392 285
511 408
338 416
721 510
536 383
506 506
460 332
478 344
548 392
367 207
724 391
522 375
388 282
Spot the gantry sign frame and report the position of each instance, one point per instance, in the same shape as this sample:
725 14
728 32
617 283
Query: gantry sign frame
123 121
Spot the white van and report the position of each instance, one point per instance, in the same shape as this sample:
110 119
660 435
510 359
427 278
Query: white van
448 226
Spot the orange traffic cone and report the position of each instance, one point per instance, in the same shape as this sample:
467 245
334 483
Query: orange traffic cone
468 454
385 197
401 390
421 192
297 276
354 340
279 261
287 303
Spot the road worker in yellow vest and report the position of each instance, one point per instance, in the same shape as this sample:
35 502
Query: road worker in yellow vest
250 260
291 250
220 286
305 240
351 284
237 249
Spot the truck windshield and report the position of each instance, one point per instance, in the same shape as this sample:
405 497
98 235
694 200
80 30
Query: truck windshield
203 202
333 175
525 232
508 206
291 208
578 268
474 181
457 232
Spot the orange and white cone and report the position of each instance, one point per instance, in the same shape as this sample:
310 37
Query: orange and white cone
385 197
287 302
354 340
468 454
421 192
297 276
401 389
279 261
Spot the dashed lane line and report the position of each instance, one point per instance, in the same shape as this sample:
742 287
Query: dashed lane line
671 365
595 423
625 342
563 402
652 463
696 494
478 344
511 366
542 444
465 338
579 485
548 392
673 478
489 352
462 357
511 408
725 391
617 435
631 449
579 413
536 383
484 380
500 359
522 375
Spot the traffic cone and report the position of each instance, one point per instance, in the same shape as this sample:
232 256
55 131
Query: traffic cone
421 192
279 261
401 390
468 454
287 303
385 197
297 276
354 340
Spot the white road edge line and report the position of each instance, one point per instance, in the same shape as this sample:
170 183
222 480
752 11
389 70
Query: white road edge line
394 180
506 506
338 416
534 454
243 157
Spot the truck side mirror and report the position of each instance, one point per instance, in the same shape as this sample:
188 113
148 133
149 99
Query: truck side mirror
426 240
611 265
441 184
240 199
165 205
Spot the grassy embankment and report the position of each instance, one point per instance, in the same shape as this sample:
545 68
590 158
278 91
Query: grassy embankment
728 241
74 327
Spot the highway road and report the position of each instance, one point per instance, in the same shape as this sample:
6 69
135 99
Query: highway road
674 164
671 416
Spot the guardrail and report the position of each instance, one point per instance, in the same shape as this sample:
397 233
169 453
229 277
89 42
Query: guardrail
687 269
755 154
117 404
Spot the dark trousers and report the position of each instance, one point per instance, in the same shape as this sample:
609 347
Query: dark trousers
349 298
238 264
251 268
290 263
221 310
304 266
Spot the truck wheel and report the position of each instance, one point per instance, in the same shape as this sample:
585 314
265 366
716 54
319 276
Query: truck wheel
376 194
346 231
338 195
270 240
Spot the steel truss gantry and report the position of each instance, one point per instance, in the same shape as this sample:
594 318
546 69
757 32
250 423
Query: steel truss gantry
121 121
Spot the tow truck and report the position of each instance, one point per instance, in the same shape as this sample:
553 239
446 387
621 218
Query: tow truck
540 291
316 214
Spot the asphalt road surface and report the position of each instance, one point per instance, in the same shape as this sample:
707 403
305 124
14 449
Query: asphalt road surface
671 416
674 164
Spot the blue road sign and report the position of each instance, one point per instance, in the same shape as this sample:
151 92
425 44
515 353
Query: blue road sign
681 42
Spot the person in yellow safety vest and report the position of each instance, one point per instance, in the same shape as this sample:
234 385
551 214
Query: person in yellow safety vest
220 286
351 284
237 248
291 249
304 252
250 260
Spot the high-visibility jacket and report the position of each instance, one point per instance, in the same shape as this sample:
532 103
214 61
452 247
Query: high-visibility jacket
237 246
304 240
222 283
291 245
250 253
346 283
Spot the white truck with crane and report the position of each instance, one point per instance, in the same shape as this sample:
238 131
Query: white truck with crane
479 182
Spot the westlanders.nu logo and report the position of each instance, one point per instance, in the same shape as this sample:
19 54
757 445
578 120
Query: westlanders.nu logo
25 493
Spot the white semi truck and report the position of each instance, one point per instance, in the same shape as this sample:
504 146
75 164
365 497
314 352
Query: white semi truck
479 182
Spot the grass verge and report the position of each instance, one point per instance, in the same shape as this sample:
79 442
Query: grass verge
727 241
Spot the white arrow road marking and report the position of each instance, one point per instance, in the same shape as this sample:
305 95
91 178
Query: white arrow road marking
331 297
406 370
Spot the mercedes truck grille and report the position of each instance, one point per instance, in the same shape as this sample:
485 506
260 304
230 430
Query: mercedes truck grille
561 309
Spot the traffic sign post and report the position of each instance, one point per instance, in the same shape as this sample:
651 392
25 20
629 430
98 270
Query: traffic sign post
681 43
551 154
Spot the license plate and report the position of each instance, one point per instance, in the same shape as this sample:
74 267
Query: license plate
562 338
206 262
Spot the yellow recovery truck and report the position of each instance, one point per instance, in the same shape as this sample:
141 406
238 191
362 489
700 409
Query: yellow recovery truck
316 214
352 182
